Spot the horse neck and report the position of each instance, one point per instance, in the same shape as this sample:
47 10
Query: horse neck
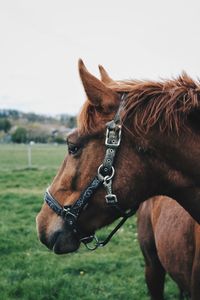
189 199
181 153
178 160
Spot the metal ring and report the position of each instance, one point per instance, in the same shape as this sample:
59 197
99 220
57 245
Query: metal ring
107 177
93 246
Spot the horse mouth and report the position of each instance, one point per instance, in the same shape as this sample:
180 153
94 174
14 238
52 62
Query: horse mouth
62 243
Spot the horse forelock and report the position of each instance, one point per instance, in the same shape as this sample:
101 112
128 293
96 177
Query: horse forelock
86 118
165 104
91 119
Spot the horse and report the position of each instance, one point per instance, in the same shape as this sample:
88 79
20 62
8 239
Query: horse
170 242
134 140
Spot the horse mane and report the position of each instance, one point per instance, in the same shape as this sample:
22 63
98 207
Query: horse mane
165 104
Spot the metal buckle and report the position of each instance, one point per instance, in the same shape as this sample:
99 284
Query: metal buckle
115 142
111 199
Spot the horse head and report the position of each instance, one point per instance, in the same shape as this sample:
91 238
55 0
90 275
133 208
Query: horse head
119 156
86 153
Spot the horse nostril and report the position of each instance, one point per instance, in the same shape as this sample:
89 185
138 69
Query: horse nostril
43 238
50 241
53 238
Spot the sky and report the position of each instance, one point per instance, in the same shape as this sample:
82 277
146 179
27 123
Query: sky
42 40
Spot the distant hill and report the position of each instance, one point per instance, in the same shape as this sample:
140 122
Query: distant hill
20 127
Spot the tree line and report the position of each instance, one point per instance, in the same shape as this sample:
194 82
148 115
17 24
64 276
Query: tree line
19 127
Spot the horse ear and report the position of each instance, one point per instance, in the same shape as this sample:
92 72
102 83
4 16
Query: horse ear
97 92
104 76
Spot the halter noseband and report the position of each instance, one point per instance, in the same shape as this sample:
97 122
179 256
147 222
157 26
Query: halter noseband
105 174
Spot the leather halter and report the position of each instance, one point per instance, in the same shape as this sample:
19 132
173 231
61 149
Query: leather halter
104 178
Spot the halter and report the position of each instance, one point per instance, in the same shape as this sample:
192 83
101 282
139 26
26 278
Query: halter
104 177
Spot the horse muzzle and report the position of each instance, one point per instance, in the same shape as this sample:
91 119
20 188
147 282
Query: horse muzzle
57 238
60 242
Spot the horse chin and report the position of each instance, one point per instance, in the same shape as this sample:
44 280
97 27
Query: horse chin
65 244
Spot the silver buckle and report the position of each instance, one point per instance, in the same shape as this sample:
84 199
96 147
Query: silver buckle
111 199
117 141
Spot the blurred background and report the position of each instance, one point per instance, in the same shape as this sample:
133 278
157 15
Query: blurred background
40 97
41 42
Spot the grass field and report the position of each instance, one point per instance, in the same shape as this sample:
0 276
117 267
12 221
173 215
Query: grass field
30 271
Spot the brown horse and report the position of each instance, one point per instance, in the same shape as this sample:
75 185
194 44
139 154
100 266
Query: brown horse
170 242
157 124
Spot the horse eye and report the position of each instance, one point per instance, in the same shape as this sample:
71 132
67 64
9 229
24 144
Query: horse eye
73 148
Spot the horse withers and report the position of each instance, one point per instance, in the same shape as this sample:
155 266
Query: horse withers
170 242
134 140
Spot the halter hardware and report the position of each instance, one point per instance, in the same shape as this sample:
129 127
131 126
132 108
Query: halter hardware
113 140
104 177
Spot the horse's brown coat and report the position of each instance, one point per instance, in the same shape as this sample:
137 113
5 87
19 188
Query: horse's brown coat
170 241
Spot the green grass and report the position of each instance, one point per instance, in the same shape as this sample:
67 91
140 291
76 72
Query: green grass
29 271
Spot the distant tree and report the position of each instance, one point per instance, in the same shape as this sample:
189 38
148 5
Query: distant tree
71 122
4 113
20 135
68 121
5 125
32 117
59 140
15 114
37 133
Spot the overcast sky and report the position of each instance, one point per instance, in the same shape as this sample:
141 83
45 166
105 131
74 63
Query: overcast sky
41 41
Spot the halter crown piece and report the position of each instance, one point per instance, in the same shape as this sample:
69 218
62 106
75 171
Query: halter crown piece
104 177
